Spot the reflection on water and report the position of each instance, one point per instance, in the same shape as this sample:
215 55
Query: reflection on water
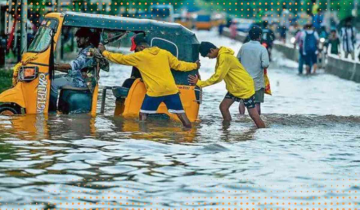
306 158
110 161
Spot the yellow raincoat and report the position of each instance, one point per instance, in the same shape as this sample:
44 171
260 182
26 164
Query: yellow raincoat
154 65
228 68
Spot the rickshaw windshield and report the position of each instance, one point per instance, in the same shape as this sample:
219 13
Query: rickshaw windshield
43 37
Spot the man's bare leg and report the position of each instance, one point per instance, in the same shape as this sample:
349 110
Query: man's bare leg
258 108
256 117
314 67
184 119
224 108
241 108
308 70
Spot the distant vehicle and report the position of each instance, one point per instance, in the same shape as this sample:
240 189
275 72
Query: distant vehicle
243 24
218 19
162 12
183 20
203 22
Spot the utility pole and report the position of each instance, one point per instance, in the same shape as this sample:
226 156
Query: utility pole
24 15
355 8
58 44
328 15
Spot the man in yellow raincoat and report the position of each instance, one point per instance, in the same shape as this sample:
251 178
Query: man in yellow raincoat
154 65
239 84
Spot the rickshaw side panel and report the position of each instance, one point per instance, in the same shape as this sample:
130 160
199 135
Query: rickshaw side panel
134 99
94 100
37 92
189 102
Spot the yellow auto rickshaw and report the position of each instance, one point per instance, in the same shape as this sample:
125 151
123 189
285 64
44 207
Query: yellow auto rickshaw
36 70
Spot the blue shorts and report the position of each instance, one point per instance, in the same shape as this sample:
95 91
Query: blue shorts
172 102
310 58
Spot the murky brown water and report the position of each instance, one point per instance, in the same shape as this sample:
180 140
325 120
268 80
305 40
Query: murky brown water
306 158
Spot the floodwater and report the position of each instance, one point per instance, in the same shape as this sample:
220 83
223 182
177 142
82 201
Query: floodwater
306 158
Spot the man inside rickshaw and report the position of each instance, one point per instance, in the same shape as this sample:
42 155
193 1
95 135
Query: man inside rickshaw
86 40
154 65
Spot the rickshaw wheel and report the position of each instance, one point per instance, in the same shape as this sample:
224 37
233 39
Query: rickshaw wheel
8 111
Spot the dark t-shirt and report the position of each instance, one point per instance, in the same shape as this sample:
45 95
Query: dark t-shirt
135 73
334 45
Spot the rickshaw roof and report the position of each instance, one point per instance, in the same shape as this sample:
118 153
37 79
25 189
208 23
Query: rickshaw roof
107 22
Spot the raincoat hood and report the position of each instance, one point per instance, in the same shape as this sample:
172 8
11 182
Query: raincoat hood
225 50
152 50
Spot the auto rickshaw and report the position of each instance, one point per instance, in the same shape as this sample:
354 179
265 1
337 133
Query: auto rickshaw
36 70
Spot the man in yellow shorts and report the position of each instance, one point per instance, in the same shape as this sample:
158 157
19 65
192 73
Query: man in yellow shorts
154 65
239 84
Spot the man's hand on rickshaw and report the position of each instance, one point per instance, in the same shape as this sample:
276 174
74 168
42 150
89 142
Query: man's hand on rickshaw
193 79
198 64
101 47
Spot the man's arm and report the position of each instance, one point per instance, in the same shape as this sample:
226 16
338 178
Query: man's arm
63 67
181 65
75 65
219 75
130 60
265 62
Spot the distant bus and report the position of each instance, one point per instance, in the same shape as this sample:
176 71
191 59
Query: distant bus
162 12
203 22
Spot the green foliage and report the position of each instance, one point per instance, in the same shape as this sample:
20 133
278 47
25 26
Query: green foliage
5 79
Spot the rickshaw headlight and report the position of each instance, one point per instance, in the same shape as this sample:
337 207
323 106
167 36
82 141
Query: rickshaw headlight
322 40
28 73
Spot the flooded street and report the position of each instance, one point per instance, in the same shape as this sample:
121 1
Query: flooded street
306 158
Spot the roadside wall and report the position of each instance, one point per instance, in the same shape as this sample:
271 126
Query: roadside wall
343 68
289 51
